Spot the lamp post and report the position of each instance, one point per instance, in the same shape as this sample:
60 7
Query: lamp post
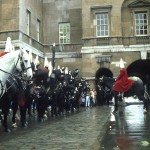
53 55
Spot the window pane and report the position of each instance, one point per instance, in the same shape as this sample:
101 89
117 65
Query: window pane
64 33
102 24
106 32
145 31
141 25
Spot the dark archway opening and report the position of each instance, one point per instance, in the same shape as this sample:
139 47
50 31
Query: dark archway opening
140 68
99 73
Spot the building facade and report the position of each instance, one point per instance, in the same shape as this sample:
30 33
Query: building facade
88 34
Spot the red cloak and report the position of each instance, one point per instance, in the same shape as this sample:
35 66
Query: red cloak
2 53
122 83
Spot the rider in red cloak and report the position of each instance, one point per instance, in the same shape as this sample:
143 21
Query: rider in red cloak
122 83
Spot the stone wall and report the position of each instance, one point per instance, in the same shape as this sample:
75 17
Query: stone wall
9 15
85 48
55 12
91 7
35 8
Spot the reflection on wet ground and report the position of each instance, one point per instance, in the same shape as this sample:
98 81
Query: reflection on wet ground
128 130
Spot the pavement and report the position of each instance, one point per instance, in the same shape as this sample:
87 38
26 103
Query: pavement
83 130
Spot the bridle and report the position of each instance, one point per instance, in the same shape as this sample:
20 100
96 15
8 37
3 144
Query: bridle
24 69
101 88
14 76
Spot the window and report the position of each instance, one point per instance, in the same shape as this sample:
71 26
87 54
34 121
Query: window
141 23
102 28
38 30
28 22
64 33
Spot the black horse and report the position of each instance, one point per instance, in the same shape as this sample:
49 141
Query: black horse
39 92
137 89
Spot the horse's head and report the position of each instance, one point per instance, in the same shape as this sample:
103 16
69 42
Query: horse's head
106 82
75 72
101 80
25 64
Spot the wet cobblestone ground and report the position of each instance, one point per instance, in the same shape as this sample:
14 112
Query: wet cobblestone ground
128 130
90 129
82 130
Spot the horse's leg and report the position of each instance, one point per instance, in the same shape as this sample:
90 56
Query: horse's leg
5 122
34 104
23 116
5 112
145 102
14 110
40 109
28 104
115 102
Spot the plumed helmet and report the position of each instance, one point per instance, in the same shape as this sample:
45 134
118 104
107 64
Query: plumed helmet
122 63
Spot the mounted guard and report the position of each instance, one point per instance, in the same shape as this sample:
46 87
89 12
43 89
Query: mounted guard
122 83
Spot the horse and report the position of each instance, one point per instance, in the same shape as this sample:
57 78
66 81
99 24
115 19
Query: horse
16 70
137 89
12 60
63 95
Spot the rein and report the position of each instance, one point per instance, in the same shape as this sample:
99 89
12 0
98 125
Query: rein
1 84
105 91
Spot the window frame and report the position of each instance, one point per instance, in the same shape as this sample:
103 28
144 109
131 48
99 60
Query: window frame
38 29
28 21
101 10
65 37
102 20
141 20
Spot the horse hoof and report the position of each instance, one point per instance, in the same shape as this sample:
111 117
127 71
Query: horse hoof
14 125
45 116
7 130
25 125
41 120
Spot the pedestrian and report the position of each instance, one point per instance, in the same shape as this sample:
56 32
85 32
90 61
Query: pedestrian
87 102
95 97
83 99
91 98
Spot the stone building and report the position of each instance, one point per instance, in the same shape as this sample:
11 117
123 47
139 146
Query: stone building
88 34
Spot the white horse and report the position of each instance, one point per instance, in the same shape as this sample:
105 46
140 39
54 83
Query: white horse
9 62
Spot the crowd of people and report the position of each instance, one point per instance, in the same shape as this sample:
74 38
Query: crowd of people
88 99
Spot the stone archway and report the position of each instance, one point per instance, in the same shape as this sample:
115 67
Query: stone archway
102 71
140 68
